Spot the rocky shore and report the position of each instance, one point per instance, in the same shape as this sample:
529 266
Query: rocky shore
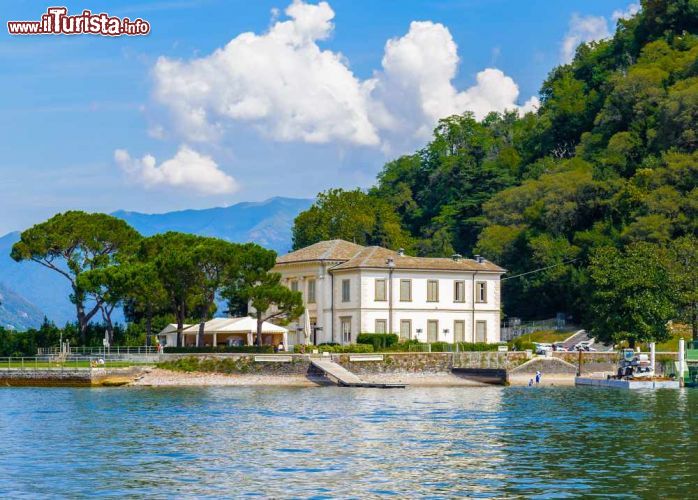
158 377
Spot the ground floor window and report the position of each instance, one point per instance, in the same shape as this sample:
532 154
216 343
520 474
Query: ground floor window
432 330
459 331
345 329
381 326
405 329
481 331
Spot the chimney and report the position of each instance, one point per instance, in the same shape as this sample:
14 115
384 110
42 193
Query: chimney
456 257
401 252
479 259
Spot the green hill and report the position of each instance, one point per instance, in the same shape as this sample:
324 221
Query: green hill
608 160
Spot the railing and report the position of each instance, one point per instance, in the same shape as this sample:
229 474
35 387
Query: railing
45 351
54 363
510 331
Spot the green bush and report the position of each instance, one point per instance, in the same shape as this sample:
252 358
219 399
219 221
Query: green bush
340 349
519 344
378 340
266 349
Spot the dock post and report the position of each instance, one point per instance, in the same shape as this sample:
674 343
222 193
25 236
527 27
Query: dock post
652 356
682 351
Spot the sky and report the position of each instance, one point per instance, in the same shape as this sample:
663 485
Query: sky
229 101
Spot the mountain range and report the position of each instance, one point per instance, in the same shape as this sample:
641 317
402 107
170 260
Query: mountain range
28 291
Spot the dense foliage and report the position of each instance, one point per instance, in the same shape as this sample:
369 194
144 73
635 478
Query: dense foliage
378 340
166 278
608 160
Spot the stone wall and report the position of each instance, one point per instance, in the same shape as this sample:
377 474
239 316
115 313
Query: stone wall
237 364
67 377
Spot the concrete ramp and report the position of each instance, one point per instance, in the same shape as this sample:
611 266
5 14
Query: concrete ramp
344 377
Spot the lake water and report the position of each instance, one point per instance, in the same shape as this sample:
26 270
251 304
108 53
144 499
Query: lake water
334 442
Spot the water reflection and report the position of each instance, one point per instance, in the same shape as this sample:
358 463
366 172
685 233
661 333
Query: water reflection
349 443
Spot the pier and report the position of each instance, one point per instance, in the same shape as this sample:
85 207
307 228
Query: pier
345 378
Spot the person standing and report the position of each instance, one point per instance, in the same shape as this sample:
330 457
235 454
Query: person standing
538 377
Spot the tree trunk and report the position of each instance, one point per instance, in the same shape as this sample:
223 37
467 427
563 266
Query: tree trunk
106 316
259 331
82 323
180 324
148 324
200 335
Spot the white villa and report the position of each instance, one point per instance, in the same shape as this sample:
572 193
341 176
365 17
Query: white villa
225 332
350 289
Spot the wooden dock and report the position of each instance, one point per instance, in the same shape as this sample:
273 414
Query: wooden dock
344 378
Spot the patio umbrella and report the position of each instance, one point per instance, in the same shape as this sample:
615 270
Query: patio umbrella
306 326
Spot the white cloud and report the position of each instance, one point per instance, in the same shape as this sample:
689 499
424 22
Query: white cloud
290 89
281 81
187 170
630 11
583 29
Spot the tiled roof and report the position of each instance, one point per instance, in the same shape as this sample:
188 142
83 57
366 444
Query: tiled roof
323 250
377 257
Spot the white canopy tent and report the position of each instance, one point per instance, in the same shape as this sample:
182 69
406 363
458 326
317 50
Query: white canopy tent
226 331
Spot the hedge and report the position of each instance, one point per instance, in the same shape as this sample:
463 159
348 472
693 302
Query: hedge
265 349
336 348
378 340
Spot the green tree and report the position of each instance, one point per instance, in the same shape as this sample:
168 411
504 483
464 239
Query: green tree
178 271
684 272
633 298
214 258
250 280
269 300
352 216
72 243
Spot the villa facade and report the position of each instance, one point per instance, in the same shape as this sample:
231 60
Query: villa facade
350 289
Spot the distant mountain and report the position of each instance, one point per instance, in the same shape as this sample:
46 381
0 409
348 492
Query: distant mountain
16 312
268 223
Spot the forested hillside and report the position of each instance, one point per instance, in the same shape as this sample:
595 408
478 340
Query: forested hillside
608 161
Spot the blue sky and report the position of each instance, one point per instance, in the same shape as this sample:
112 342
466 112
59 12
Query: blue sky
98 124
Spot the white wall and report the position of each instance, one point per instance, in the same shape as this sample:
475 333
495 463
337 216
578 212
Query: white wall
364 309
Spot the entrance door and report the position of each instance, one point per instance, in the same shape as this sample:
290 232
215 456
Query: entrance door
432 330
459 331
405 329
481 331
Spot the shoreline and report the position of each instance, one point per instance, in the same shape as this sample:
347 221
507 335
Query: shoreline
158 377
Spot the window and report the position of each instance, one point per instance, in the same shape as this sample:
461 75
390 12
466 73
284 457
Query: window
345 328
433 291
311 291
459 291
294 285
481 331
346 290
405 290
380 291
405 329
481 291
459 331
432 330
381 326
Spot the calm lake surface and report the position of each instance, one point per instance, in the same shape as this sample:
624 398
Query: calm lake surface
334 442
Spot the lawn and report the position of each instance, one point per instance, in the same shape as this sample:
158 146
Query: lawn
678 330
546 336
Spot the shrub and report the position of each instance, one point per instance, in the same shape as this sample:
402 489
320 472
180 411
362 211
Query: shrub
378 340
519 344
266 349
340 349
